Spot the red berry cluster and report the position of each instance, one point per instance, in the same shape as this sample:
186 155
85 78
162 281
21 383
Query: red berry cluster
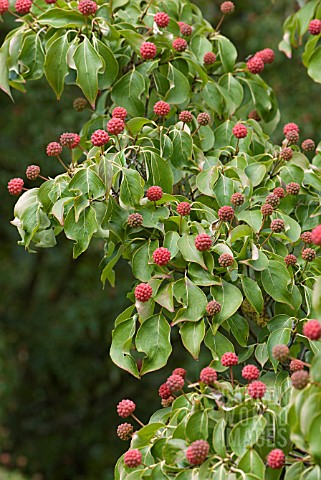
99 138
273 200
281 353
133 458
290 127
286 153
250 372
143 292
239 130
277 225
161 19
308 145
87 7
213 307
267 209
227 7
203 119
183 209
209 58
267 55
257 389
32 172
161 256
308 254
4 6
290 259
148 50
237 199
292 137
179 44
300 379
306 237
276 459
312 330
115 126
154 193
15 186
185 29
225 260
54 149
70 140
316 235
185 116
208 376
162 108
125 408
292 188
125 431
203 242
175 383
23 6
226 213
135 220
229 359
279 192
197 452
119 112
255 65
315 27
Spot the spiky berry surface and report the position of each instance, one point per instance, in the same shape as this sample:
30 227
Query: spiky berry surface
167 402
213 307
203 242
115 126
312 330
161 19
254 116
143 292
76 140
281 352
208 376
148 50
290 259
183 209
226 213
316 235
286 153
227 7
125 408
135 220
277 225
125 431
307 237
80 104
185 29
175 383
185 116
164 391
237 199
23 6
161 256
267 209
276 459
209 58
203 119
296 365
255 65
154 193
4 6
179 44
119 112
315 27
133 458
225 260
229 359
53 149
15 186
308 145
179 371
292 188
300 379
239 130
267 55
162 108
87 7
272 199
67 139
279 192
32 172
257 389
308 254
99 138
292 137
250 372
290 126
197 452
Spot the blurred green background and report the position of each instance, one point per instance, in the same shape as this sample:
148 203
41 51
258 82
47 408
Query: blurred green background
58 388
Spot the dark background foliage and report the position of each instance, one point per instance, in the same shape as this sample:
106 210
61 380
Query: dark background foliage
58 387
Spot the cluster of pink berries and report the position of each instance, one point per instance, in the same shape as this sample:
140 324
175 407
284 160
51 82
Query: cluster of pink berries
257 63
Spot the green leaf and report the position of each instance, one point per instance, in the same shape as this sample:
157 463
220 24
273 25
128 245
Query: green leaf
56 68
192 298
32 57
206 180
88 63
82 230
140 266
187 248
252 217
230 297
159 171
153 339
197 426
261 354
61 18
227 52
165 298
136 124
121 344
88 183
192 334
108 272
251 462
179 87
218 344
316 298
219 443
246 433
275 280
182 148
253 293
127 92
4 71
131 188
110 73
223 189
